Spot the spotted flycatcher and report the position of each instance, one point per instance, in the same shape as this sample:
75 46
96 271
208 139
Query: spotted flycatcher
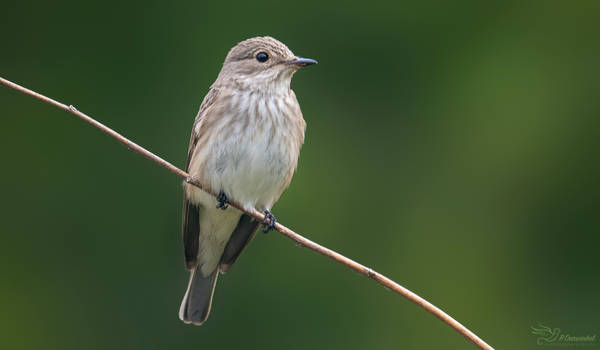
245 144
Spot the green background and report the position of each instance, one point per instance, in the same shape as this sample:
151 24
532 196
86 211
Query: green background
452 146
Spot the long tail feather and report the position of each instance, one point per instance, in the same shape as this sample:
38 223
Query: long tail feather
196 303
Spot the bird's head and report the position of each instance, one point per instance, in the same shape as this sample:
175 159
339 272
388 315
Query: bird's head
261 63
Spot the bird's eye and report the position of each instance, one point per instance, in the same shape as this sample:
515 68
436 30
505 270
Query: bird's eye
262 57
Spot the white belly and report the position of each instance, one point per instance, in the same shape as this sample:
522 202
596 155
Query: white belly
250 171
254 172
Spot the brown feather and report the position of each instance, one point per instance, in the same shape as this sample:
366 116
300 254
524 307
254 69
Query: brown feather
241 236
208 101
191 229
191 212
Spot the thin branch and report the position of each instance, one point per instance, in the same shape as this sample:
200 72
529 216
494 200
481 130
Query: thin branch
300 240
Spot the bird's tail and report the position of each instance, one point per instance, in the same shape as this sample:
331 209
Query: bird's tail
195 306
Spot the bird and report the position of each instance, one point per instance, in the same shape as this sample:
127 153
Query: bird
245 144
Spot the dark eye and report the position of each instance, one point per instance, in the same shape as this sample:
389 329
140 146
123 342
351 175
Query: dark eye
262 57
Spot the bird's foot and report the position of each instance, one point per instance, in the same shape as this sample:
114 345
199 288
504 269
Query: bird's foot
271 222
223 200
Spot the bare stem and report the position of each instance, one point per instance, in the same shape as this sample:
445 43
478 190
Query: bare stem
366 271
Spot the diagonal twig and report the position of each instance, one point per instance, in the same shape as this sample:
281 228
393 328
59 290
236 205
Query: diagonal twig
300 240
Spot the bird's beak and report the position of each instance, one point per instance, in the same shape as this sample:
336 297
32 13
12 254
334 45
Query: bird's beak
303 62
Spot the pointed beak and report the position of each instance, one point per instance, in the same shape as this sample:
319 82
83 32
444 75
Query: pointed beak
303 62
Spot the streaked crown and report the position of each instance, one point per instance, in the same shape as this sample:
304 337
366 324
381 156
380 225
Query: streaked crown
260 62
249 49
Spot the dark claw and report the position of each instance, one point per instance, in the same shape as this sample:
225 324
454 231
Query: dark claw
222 198
271 225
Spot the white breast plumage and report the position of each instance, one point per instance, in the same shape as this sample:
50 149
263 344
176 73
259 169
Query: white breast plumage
250 159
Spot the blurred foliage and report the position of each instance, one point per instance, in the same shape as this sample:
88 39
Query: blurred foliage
452 146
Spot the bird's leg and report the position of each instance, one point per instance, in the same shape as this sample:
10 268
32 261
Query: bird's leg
271 225
222 198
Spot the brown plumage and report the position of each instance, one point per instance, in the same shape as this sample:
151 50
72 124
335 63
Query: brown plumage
245 144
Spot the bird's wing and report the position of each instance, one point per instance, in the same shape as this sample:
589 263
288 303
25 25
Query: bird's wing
191 230
241 236
191 212
208 101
